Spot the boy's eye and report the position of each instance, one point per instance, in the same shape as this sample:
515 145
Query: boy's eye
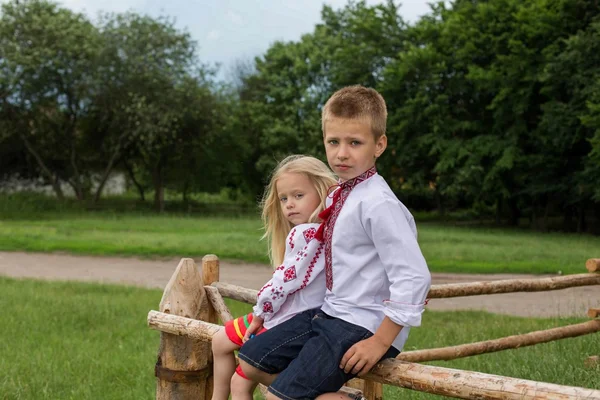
333 142
355 143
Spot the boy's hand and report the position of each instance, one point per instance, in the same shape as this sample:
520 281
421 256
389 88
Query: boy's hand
360 358
255 326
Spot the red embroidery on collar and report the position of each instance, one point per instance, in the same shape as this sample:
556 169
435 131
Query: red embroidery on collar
330 214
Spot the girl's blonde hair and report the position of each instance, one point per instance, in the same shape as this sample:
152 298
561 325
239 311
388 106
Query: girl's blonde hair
276 226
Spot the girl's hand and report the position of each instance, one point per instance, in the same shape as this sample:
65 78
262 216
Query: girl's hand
255 326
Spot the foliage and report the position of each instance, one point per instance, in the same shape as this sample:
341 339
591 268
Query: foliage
493 105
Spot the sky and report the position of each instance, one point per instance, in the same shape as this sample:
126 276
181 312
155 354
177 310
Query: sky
230 30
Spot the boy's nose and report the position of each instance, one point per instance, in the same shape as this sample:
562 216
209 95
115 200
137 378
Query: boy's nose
342 153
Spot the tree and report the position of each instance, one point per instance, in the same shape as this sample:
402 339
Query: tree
48 54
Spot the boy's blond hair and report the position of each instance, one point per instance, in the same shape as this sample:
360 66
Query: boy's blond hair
276 226
357 103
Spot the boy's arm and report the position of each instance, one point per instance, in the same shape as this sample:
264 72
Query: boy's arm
394 237
295 273
362 356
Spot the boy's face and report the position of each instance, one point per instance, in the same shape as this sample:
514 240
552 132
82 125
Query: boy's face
351 147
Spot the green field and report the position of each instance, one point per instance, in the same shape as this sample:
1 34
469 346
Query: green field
447 247
88 341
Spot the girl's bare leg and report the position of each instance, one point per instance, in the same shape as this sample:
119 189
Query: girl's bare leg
241 388
256 374
223 364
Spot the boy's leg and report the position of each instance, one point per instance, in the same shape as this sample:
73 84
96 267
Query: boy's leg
270 352
316 370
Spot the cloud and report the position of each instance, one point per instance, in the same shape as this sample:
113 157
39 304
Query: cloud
234 17
213 35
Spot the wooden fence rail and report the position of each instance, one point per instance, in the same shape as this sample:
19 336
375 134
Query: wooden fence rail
457 289
431 379
192 304
509 342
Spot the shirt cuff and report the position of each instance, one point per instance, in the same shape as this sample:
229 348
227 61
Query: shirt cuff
404 314
258 312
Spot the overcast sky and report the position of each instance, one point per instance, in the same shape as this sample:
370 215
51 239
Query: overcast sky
227 30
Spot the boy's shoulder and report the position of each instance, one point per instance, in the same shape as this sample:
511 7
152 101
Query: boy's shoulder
375 190
377 198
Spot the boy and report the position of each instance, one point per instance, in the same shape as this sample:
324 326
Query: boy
376 277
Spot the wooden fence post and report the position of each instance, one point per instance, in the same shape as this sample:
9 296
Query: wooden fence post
373 390
210 274
593 265
183 367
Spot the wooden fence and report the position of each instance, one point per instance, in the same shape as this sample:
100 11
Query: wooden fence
192 304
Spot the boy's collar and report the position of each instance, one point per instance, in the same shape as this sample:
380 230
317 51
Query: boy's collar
350 183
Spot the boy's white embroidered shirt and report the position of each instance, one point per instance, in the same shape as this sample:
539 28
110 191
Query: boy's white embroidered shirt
298 284
378 269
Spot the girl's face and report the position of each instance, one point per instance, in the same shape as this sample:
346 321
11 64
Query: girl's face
298 197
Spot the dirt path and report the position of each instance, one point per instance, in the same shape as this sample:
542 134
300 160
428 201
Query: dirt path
156 273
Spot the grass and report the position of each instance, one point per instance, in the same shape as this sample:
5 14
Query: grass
137 235
447 247
88 341
232 230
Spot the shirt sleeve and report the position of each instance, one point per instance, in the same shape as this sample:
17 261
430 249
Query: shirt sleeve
394 235
295 273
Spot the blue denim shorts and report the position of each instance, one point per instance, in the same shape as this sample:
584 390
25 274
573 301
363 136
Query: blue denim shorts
306 352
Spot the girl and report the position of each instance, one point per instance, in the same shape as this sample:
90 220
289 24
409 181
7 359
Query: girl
290 207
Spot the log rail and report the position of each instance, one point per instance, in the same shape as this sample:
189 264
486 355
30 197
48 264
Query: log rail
192 304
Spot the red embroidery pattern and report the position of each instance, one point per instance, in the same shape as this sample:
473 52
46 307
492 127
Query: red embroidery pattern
292 238
268 307
309 234
302 253
263 289
336 207
277 293
289 274
310 268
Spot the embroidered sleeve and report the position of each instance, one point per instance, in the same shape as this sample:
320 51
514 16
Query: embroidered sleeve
392 230
295 273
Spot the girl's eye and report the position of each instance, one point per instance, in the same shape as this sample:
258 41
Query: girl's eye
283 199
334 142
299 196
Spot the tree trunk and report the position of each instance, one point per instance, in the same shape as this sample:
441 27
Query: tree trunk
515 213
111 163
568 218
440 203
53 178
159 189
581 225
138 186
499 210
184 194
546 214
77 185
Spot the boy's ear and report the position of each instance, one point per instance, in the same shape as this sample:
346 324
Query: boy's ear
380 145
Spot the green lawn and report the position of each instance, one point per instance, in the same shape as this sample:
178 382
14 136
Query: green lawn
447 247
89 341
